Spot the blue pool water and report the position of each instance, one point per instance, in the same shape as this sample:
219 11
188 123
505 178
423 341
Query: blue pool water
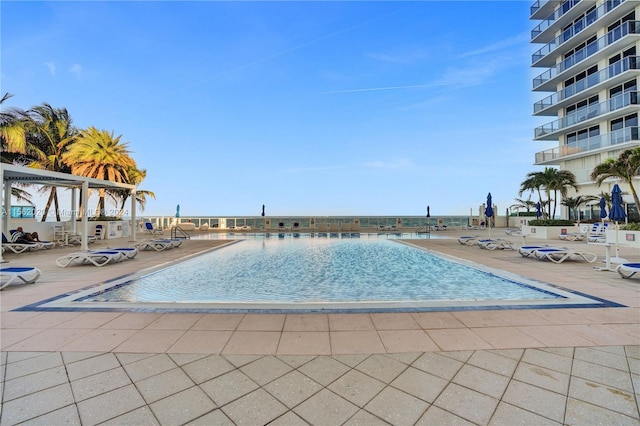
320 270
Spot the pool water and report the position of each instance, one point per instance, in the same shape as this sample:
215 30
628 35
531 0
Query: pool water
319 271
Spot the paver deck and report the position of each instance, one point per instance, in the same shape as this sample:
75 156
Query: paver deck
530 366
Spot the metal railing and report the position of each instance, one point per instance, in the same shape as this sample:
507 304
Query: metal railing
564 8
576 28
617 137
591 111
630 27
626 64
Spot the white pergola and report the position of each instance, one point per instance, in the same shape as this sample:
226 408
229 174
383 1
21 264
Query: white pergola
12 173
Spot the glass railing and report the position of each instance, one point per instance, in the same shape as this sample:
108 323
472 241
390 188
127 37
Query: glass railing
630 27
618 137
564 8
566 35
535 6
628 63
591 111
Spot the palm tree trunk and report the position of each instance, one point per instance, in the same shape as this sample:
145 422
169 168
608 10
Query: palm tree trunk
635 194
48 205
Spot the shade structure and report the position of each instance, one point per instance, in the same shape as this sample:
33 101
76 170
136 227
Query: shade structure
178 210
538 210
488 212
617 213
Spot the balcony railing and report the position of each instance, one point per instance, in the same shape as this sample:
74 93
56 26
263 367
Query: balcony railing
618 137
564 8
628 63
630 27
620 101
569 33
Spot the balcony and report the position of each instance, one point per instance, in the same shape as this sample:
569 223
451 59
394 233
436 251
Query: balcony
584 115
616 139
542 57
586 86
555 17
595 49
542 8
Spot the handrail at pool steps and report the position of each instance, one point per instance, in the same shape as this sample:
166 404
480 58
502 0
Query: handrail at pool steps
178 232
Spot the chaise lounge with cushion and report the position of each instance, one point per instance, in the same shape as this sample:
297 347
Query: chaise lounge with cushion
18 275
95 258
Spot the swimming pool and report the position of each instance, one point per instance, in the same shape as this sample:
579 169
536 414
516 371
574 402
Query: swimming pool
322 274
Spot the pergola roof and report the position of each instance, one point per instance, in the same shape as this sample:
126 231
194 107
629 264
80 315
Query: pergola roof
13 173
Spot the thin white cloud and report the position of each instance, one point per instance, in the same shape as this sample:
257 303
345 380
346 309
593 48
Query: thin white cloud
51 66
411 56
522 38
399 163
76 69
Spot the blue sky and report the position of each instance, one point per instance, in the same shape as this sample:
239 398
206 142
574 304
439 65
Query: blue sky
311 108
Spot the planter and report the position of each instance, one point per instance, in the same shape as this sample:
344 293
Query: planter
625 238
548 232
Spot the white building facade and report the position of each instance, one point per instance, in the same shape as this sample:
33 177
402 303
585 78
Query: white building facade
587 71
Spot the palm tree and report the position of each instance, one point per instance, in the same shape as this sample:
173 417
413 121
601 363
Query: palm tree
136 176
525 204
37 137
534 183
49 132
560 181
99 154
574 203
624 167
550 180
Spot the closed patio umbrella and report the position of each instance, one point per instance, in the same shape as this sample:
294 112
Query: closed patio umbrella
538 210
603 209
617 214
488 212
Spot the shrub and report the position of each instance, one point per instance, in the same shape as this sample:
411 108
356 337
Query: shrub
635 226
551 222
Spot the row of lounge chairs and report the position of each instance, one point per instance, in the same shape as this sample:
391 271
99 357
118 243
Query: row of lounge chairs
114 255
553 254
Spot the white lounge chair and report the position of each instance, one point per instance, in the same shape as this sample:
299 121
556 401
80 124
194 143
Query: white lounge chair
18 275
558 255
497 244
96 258
15 237
129 252
149 229
18 247
157 245
628 270
573 236
526 251
467 240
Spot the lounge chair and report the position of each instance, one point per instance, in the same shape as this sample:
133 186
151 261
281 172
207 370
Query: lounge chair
628 270
18 275
149 229
467 240
527 251
573 236
157 245
440 227
497 244
96 258
513 231
18 247
129 252
15 237
558 255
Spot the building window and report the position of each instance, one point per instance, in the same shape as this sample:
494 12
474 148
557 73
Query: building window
622 122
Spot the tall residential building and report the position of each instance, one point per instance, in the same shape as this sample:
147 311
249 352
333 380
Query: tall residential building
587 76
